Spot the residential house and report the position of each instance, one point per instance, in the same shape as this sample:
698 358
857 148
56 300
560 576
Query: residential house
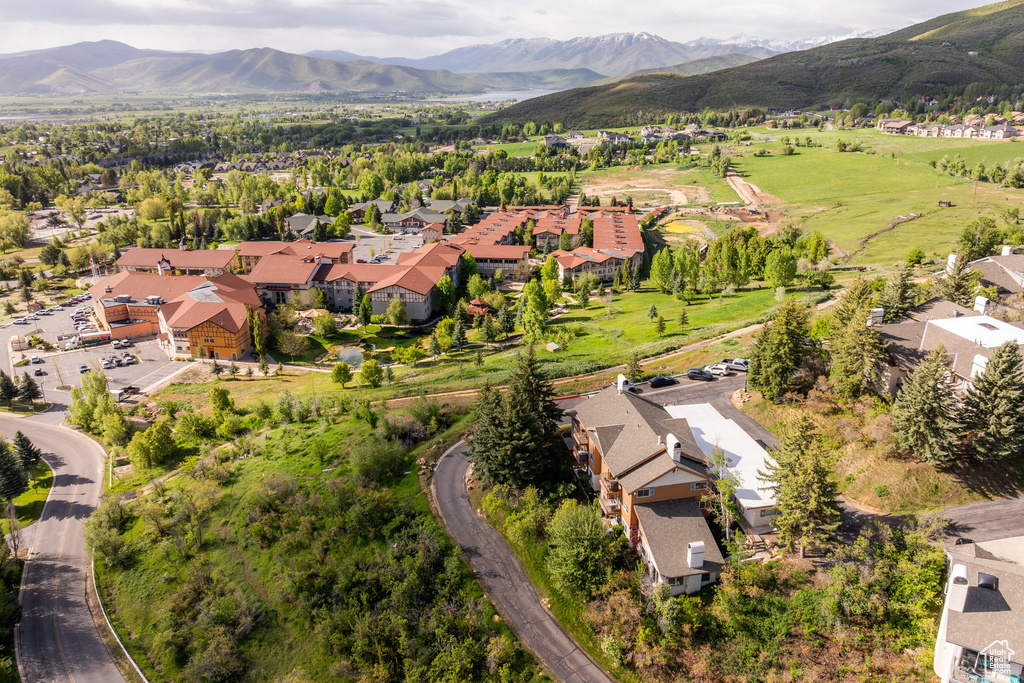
415 219
304 225
981 631
358 211
651 477
1004 272
185 312
555 142
600 263
211 262
575 135
968 336
446 205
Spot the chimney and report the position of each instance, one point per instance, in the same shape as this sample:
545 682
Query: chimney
695 554
950 262
956 597
981 305
160 266
621 382
1007 250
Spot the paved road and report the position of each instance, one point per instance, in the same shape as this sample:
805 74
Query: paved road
57 638
505 581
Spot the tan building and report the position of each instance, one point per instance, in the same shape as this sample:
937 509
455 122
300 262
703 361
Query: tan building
250 253
184 312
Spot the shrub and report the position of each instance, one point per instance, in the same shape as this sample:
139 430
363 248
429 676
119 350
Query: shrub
374 459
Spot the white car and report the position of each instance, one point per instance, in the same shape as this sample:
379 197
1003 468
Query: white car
21 321
718 369
105 364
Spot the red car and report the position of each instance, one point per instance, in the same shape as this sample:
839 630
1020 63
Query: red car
360 260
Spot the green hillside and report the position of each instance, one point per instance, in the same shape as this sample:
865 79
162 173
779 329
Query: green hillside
694 67
108 67
919 60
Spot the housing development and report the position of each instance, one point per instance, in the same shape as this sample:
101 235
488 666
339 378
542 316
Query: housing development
626 357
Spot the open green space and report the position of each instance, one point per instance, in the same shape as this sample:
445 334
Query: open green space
29 505
856 198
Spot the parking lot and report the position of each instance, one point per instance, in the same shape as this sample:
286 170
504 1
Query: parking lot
63 368
149 365
381 243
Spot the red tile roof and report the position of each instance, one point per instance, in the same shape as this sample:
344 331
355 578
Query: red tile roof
283 269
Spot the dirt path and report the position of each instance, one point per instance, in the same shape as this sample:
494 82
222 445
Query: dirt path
752 195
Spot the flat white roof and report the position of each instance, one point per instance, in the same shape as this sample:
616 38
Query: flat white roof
982 330
744 455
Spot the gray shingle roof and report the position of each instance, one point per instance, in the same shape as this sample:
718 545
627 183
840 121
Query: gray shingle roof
669 526
630 429
989 615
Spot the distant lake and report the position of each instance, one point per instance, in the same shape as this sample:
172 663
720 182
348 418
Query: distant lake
496 96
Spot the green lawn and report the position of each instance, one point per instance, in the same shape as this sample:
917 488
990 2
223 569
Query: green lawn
29 505
854 198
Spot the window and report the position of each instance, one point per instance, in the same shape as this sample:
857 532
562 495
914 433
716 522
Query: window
207 340
698 486
772 512
644 493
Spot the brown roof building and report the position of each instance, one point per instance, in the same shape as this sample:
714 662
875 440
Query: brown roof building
209 262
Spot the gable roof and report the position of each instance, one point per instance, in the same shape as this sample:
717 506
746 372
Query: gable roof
988 615
669 526
138 257
283 269
1005 272
632 429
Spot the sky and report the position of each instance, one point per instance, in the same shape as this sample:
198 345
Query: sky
402 28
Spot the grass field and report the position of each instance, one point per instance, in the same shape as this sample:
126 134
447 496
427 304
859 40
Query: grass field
29 505
853 198
656 185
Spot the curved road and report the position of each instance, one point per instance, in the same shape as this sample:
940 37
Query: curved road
57 638
506 583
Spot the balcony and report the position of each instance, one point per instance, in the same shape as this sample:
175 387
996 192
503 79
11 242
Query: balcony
974 668
610 486
610 506
582 456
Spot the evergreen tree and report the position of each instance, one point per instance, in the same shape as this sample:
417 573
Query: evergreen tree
897 297
434 345
634 371
8 389
458 335
659 325
357 297
923 414
506 321
516 431
652 312
27 453
992 408
857 358
28 390
958 285
13 480
802 483
857 295
683 319
364 312
778 350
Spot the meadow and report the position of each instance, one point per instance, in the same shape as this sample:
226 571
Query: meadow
853 198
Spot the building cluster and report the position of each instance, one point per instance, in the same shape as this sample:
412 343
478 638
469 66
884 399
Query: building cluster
969 335
146 297
651 466
976 130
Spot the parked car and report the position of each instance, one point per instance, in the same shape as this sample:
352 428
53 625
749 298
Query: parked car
38 372
699 375
43 312
739 364
130 390
660 381
118 362
360 260
720 369
83 369
35 359
21 321
128 360
106 364
115 344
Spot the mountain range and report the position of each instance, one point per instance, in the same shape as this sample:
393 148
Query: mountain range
946 54
518 64
107 66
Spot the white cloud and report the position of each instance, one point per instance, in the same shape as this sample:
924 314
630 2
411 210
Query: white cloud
387 28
